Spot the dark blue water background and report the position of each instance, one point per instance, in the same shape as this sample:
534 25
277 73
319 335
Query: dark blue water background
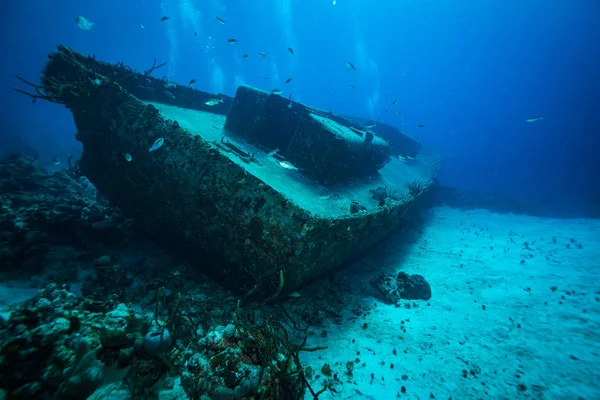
471 72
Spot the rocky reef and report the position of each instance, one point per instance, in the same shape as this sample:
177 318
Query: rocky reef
61 345
395 287
115 317
41 211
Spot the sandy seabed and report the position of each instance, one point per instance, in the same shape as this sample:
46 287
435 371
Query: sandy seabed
515 313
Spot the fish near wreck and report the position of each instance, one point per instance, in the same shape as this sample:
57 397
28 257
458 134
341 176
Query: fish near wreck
83 23
155 146
213 102
534 119
287 165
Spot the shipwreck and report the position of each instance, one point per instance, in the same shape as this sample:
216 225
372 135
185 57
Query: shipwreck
254 190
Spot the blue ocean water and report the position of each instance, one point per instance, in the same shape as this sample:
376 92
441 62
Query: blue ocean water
488 289
471 73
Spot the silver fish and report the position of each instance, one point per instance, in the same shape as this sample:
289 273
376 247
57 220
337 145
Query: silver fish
213 102
83 23
534 119
157 144
289 166
128 157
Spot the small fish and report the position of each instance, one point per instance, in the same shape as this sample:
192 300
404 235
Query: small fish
289 166
294 295
164 18
291 101
157 145
288 80
534 119
213 102
350 65
128 157
195 34
192 82
170 95
406 158
221 20
141 26
261 54
369 126
83 23
398 112
272 153
421 126
276 91
351 86
291 50
232 41
244 55
55 161
394 102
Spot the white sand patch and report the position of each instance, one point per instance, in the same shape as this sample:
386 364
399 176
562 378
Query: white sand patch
515 313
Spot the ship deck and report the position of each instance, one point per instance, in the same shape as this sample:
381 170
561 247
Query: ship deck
322 201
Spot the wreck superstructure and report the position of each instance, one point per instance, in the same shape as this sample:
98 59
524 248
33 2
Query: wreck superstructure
246 188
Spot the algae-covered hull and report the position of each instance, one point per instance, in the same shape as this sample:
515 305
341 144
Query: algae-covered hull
246 188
